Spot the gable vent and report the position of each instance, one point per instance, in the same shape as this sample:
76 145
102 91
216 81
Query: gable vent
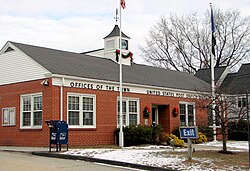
8 49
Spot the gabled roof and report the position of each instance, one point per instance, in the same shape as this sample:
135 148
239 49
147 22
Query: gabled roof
81 65
237 83
116 32
205 74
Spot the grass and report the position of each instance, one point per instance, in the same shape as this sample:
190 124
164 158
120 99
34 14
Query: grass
215 160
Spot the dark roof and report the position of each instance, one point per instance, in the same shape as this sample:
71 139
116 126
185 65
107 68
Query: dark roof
237 83
205 74
91 51
81 65
116 32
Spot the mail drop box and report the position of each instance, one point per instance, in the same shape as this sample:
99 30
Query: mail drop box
58 133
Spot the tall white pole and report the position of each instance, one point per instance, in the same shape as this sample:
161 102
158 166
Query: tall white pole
212 78
121 141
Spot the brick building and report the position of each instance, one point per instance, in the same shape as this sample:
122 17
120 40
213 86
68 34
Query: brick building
39 84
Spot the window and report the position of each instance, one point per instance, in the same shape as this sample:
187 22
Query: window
110 44
82 111
130 112
9 116
242 102
187 114
31 111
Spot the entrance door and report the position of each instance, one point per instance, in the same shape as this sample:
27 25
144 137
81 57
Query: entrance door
155 116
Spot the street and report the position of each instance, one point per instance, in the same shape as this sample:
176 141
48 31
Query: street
16 161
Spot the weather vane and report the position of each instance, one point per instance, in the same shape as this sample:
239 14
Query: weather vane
116 16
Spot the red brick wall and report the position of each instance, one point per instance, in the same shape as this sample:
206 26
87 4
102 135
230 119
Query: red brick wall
106 116
10 97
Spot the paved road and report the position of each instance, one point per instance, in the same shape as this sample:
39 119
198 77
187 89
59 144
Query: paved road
16 161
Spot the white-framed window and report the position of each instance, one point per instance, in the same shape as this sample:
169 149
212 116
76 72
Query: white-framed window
81 110
9 116
242 102
130 112
187 114
31 111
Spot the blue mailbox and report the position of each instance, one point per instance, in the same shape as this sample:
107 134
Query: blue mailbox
58 133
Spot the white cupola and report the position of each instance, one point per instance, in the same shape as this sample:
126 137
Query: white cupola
112 44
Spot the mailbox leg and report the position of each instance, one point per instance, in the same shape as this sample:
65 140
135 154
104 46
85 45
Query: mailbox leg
67 147
56 147
49 140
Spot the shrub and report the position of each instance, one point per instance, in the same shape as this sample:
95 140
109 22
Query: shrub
177 142
202 138
238 130
140 134
157 133
176 132
207 131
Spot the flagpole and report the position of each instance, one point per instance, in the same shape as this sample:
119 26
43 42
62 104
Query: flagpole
121 141
212 76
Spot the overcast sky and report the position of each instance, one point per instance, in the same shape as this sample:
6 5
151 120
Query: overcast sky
80 25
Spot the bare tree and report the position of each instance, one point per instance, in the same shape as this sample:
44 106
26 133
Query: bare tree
184 43
225 109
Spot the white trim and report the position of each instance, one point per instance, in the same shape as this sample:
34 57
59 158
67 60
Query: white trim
80 95
94 84
127 99
32 112
13 117
186 110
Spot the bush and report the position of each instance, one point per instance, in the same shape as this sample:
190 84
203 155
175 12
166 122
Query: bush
140 134
238 130
177 142
207 131
176 132
202 138
157 133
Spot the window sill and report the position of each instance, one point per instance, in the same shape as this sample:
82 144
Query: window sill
82 129
31 128
8 125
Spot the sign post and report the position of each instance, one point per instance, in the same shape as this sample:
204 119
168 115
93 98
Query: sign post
189 133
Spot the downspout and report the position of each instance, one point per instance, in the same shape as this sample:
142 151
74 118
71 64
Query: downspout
61 99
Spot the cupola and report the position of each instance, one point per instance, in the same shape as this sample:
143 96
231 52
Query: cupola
112 46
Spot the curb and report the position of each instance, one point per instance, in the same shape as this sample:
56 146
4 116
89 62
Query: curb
96 160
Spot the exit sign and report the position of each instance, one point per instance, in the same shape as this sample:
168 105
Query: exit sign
189 132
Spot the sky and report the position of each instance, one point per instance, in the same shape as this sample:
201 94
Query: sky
81 25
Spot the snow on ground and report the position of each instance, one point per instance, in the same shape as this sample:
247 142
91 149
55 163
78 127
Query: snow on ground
230 144
154 156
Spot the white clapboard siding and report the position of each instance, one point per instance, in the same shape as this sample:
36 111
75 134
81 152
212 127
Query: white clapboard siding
15 66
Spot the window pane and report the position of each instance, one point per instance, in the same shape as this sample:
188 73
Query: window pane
182 109
123 107
132 106
190 109
190 121
37 118
132 120
38 103
73 118
123 120
87 103
87 118
183 120
26 118
73 103
26 103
